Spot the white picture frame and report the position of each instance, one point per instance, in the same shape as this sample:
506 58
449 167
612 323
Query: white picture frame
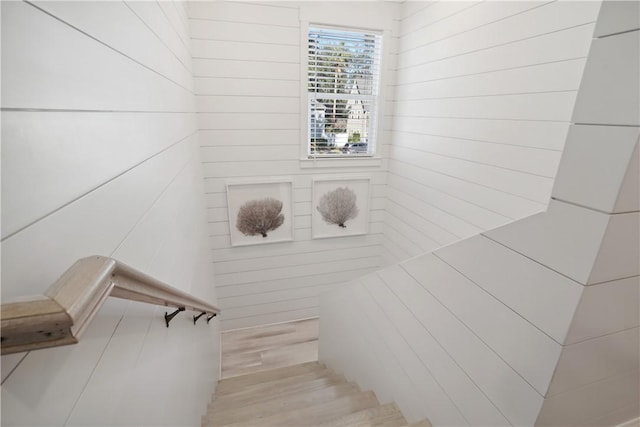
340 206
249 201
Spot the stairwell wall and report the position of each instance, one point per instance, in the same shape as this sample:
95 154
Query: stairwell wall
249 91
482 331
483 98
100 156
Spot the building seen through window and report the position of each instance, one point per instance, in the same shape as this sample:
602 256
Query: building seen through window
342 87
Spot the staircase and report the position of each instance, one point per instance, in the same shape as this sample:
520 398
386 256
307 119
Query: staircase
308 394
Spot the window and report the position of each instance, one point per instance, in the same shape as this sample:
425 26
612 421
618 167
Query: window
342 86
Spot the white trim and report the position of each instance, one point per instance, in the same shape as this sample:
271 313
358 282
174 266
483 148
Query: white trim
304 97
341 162
383 78
375 31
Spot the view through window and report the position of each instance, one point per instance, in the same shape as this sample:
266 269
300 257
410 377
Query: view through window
343 85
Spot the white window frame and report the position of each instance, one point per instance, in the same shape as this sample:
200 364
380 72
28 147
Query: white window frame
372 158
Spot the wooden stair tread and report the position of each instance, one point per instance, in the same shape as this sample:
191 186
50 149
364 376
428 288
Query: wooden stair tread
250 341
276 389
269 347
238 383
307 394
230 392
366 416
244 360
393 421
314 414
424 423
267 359
281 403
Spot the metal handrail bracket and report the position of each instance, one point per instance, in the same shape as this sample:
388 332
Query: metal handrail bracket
60 316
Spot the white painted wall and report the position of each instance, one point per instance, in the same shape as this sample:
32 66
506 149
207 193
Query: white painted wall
597 379
532 323
100 155
249 91
483 98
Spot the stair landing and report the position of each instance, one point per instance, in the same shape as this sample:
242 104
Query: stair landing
271 377
268 347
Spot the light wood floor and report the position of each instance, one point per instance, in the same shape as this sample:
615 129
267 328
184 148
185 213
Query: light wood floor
271 377
268 347
307 394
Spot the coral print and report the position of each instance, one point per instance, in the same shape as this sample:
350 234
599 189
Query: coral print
338 206
258 217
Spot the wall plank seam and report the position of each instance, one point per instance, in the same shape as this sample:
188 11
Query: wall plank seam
188 90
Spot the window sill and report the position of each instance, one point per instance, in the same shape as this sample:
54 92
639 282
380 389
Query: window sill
341 162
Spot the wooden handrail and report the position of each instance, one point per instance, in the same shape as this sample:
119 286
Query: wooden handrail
65 310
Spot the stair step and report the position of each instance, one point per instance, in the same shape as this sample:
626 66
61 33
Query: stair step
367 416
278 404
393 421
424 423
220 393
312 414
235 384
269 347
250 360
269 359
307 394
268 391
280 336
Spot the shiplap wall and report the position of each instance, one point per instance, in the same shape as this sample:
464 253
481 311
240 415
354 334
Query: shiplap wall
597 379
532 323
100 155
483 97
248 86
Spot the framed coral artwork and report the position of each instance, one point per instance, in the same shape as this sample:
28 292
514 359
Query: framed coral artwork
260 212
340 206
